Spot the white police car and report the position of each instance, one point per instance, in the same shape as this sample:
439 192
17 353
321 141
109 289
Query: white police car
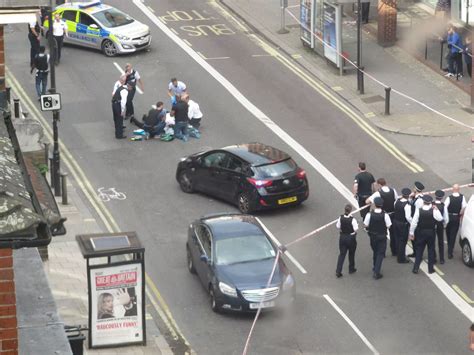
97 25
466 238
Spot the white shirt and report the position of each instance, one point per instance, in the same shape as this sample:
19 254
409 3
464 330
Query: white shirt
123 96
59 28
193 110
419 200
416 217
388 222
384 189
178 89
406 209
355 226
448 201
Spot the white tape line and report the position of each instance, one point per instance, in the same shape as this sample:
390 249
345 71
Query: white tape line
122 72
333 180
353 326
277 242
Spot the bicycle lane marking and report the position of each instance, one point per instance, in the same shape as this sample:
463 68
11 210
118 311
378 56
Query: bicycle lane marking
90 193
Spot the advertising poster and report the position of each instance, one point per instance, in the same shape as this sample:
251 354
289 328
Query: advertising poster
305 19
116 305
330 33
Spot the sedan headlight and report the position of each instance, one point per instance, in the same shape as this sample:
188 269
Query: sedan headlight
122 38
289 283
227 290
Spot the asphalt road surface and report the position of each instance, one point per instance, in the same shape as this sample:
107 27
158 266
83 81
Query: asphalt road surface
402 313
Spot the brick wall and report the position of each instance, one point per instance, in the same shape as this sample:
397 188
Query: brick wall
8 321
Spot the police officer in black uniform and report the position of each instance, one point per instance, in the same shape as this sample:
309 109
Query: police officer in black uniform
347 240
416 201
41 64
119 103
401 224
377 223
439 194
133 77
455 205
34 38
422 232
362 187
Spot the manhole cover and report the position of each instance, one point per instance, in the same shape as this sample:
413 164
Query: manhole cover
372 99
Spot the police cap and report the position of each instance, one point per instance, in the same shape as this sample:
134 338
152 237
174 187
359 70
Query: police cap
439 193
427 199
419 186
378 201
406 191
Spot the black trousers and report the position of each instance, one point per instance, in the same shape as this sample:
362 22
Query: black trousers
378 243
452 231
361 200
365 12
59 42
424 238
440 237
130 110
347 243
400 231
118 118
393 241
34 50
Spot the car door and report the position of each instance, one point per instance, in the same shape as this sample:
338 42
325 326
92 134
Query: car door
88 31
230 178
207 174
203 268
70 19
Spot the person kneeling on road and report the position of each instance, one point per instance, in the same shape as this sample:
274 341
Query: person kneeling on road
154 122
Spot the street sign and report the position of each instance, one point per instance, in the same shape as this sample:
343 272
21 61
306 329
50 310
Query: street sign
50 102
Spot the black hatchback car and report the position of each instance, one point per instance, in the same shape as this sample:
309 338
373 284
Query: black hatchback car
252 176
234 258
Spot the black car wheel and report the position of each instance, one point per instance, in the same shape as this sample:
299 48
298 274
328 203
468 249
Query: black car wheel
245 203
185 182
109 48
189 260
215 306
467 254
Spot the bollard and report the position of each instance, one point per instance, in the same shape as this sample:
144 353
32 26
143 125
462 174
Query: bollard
283 6
51 172
16 107
387 100
426 48
64 188
361 71
8 95
46 153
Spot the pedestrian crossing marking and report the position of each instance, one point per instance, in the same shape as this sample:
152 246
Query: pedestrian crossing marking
462 294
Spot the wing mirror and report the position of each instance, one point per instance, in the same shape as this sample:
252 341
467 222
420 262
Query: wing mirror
94 26
204 259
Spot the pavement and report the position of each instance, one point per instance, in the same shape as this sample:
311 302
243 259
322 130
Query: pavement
67 277
394 66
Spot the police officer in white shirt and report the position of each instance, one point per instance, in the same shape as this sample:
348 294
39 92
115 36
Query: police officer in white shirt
401 224
422 232
416 201
59 30
132 79
119 105
347 240
454 206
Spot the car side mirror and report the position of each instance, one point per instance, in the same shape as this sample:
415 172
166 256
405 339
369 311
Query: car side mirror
204 259
94 26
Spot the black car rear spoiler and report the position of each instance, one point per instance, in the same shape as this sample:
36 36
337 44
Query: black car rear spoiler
220 214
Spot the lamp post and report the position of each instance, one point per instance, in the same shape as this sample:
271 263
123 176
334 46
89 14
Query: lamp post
359 47
56 158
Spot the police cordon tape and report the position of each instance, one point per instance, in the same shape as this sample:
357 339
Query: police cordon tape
283 248
326 44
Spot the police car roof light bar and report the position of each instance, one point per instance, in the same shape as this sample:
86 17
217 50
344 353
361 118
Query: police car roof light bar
90 4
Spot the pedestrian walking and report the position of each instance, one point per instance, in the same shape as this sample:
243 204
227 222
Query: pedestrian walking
41 64
59 30
34 38
377 223
389 196
180 113
455 205
176 88
132 79
401 224
455 48
422 232
363 188
348 227
468 55
119 104
416 201
439 194
194 113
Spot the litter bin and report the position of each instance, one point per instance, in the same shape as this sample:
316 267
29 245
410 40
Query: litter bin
76 339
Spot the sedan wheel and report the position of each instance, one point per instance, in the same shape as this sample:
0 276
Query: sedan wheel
189 260
244 203
185 182
109 48
214 305
467 254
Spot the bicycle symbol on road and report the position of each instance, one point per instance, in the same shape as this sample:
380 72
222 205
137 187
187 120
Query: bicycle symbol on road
110 194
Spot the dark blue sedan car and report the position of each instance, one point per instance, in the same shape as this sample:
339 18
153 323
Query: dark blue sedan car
234 257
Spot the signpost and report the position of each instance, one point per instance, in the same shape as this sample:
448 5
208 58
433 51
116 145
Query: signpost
50 102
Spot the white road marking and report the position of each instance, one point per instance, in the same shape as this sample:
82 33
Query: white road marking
277 242
122 71
455 299
353 326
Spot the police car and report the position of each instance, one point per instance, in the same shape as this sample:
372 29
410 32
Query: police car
97 25
466 236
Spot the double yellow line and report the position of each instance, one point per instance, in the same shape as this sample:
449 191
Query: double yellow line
106 217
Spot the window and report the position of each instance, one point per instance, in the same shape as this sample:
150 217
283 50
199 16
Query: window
69 15
113 18
276 169
204 236
234 164
243 249
215 160
86 20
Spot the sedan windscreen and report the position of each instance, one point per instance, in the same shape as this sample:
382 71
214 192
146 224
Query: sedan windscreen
243 249
275 170
113 18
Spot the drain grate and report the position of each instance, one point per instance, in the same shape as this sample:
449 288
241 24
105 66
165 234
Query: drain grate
372 99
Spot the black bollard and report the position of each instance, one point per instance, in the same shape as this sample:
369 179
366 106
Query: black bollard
387 100
16 107
64 188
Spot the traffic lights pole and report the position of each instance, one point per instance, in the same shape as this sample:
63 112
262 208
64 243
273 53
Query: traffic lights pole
52 90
